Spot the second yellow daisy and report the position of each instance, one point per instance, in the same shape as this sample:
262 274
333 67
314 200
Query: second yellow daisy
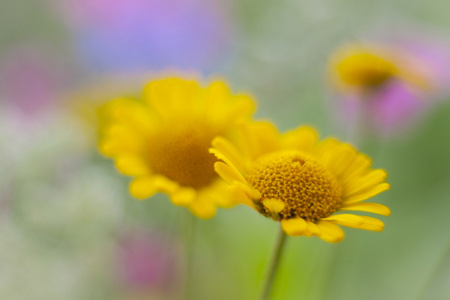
301 182
163 140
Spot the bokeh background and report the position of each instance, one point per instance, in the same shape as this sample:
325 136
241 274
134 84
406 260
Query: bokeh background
70 230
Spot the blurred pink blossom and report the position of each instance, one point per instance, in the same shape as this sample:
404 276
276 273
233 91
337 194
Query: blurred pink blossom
148 262
31 79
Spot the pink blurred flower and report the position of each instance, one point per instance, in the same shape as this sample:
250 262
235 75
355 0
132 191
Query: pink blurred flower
399 81
31 79
148 263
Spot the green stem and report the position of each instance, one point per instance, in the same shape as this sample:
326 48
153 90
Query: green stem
272 268
365 139
189 226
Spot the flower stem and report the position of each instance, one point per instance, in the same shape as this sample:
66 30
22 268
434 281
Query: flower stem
272 267
189 226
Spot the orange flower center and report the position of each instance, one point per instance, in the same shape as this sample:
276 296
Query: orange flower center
180 152
308 190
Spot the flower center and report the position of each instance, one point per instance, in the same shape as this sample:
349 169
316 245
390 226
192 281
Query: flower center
180 152
308 190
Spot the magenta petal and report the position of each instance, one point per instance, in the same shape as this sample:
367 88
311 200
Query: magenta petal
395 107
386 112
435 56
148 262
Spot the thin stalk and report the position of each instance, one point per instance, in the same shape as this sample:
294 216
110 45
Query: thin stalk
189 227
272 266
365 138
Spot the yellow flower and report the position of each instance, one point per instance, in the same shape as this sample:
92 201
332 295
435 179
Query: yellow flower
357 66
295 179
362 68
163 140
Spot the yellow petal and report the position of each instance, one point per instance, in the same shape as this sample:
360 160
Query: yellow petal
368 207
250 191
233 108
342 158
203 209
244 106
259 138
325 145
357 168
325 151
122 131
229 151
143 187
217 193
303 139
346 220
242 197
132 165
366 194
273 205
367 181
330 232
229 174
361 222
183 196
146 186
126 111
214 97
113 147
218 91
116 139
220 156
165 185
311 229
371 224
294 226
170 96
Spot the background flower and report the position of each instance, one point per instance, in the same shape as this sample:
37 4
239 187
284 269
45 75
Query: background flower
409 75
162 140
32 79
148 265
138 35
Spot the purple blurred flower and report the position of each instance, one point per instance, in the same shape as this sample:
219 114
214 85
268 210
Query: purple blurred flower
140 35
399 81
148 263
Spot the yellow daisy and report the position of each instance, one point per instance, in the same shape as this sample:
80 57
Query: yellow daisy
162 140
301 182
364 67
356 66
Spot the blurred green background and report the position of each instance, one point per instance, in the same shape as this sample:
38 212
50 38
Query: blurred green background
64 209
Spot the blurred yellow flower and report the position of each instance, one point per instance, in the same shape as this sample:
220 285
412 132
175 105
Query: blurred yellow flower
364 68
163 140
356 67
301 182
